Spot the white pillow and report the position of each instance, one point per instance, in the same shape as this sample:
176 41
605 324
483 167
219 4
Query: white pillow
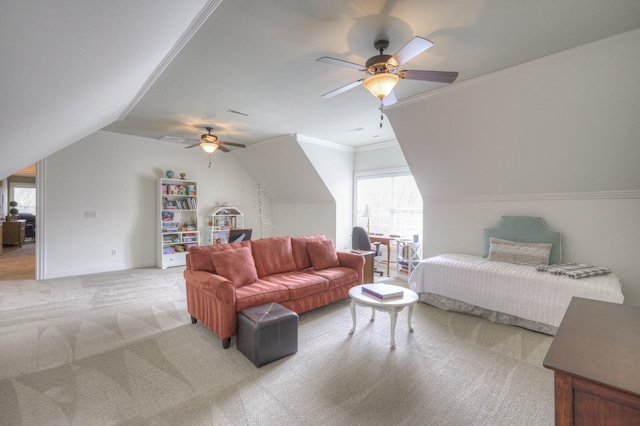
520 253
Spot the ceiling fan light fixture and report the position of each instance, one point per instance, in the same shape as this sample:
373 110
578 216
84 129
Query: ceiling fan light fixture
208 147
380 85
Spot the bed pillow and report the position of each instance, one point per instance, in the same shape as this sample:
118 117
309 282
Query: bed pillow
520 253
322 254
236 265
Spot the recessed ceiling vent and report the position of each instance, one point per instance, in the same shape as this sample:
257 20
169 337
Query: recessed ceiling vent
233 111
172 139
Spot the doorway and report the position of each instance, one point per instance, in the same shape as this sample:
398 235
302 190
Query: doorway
18 261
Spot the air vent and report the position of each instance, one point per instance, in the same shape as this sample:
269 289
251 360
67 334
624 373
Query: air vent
233 111
172 139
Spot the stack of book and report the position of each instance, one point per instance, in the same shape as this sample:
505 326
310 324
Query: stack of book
383 292
169 227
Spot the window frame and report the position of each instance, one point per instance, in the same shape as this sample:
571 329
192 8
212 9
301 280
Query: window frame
376 174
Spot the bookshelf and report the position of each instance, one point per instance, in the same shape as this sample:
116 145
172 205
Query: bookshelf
409 255
177 221
220 221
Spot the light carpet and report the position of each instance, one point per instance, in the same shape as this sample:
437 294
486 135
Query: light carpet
119 349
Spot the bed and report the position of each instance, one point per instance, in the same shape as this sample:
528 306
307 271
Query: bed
505 292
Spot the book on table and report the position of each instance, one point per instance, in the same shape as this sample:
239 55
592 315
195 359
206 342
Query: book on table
382 293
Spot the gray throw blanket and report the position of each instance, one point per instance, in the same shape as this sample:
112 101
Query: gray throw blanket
574 270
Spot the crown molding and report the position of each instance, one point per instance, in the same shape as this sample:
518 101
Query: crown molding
322 142
377 146
595 195
195 25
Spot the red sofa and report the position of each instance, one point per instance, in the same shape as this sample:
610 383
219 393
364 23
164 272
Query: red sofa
300 273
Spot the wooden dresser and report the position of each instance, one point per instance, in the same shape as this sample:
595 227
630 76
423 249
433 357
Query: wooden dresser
13 232
595 357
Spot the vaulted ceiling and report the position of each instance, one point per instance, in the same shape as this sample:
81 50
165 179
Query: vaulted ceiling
157 68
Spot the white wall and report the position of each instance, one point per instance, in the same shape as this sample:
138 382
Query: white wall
556 138
386 155
310 186
115 175
334 164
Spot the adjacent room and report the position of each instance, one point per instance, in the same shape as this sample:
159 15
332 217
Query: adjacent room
138 139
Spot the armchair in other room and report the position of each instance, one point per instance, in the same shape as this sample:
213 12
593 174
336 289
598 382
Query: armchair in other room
360 241
29 226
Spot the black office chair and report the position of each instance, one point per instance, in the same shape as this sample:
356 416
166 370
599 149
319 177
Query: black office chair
360 241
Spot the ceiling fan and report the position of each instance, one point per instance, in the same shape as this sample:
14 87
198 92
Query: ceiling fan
382 70
210 143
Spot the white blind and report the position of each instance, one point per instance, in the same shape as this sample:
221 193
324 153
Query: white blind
395 204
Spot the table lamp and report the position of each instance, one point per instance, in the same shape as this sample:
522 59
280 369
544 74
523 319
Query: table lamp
366 212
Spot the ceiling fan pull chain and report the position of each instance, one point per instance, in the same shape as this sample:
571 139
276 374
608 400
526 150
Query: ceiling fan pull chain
381 112
209 160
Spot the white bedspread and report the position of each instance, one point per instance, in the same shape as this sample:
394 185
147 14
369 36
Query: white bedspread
517 290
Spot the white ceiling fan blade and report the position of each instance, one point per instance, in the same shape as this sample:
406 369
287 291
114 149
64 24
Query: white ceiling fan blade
342 89
390 99
340 63
413 48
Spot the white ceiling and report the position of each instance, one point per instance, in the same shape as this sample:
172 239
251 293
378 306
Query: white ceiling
79 66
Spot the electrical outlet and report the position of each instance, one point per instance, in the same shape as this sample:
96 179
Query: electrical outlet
90 214
114 252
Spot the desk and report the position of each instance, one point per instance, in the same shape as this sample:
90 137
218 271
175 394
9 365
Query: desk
387 242
367 272
594 357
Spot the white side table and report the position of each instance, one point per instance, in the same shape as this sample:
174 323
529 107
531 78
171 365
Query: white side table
392 306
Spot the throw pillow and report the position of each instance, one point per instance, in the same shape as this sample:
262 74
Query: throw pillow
299 247
322 254
520 253
200 256
236 265
273 255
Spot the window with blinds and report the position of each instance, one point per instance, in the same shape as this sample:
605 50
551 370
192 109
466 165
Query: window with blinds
388 202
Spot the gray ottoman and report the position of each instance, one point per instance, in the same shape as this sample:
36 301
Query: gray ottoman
267 333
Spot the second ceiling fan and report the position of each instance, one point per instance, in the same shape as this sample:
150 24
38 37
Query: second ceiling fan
382 70
210 143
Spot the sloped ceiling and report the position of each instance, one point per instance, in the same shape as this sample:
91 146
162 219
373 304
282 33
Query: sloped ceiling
72 67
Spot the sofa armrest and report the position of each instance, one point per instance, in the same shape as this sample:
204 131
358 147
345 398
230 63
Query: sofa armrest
211 299
213 285
353 261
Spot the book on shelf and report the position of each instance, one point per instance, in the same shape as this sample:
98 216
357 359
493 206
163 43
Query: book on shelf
381 292
169 227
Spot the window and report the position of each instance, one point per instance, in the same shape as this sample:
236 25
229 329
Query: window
394 201
25 195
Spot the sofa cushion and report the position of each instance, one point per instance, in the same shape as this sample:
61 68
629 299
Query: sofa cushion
299 248
200 256
273 255
235 265
300 284
260 292
322 254
337 277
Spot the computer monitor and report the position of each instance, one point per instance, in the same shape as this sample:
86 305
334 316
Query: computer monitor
237 235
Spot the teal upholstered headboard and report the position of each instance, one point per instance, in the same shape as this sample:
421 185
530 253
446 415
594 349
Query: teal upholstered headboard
524 229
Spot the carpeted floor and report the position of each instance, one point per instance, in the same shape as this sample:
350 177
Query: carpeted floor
118 348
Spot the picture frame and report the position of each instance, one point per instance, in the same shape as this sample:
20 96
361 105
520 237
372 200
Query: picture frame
237 235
